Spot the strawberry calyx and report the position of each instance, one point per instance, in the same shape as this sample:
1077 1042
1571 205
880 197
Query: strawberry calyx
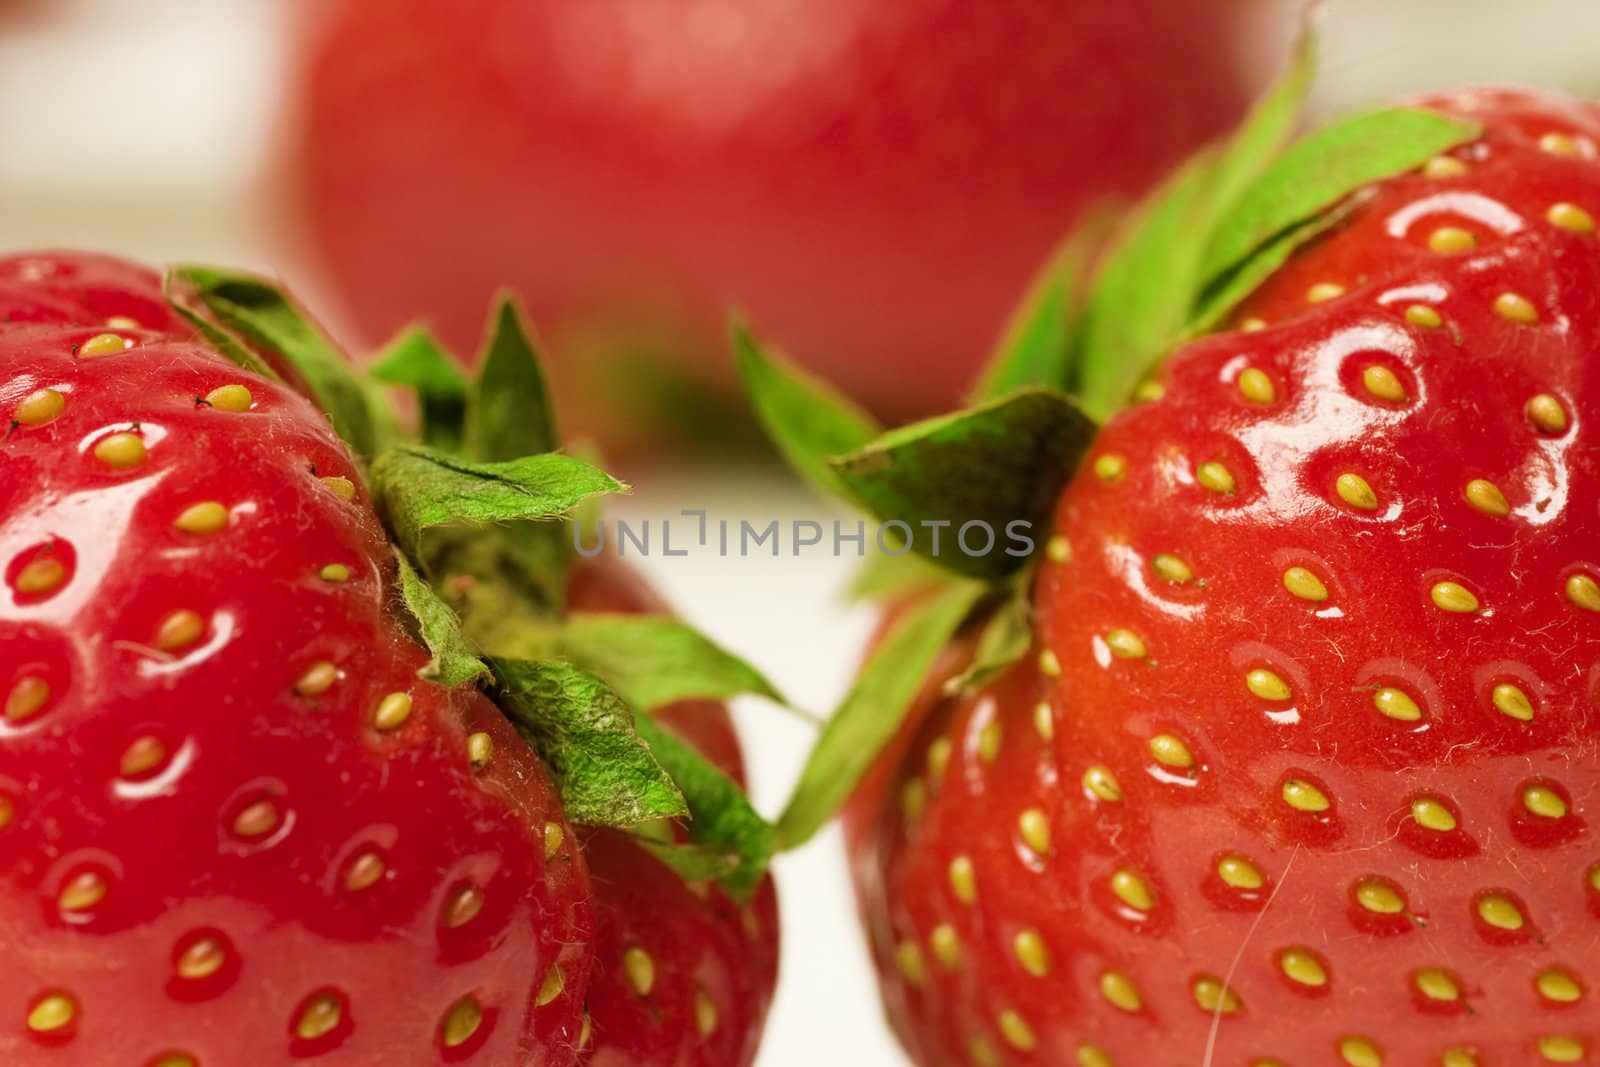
477 505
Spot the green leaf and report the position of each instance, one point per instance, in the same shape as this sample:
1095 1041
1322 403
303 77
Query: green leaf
415 360
1322 169
690 862
260 313
884 577
603 769
453 662
1006 638
871 714
1226 291
509 412
419 489
218 338
652 660
720 815
806 419
997 464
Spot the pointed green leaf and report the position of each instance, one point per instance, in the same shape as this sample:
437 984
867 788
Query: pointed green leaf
418 489
417 361
224 342
259 312
990 467
807 420
870 716
453 662
509 412
691 862
1226 291
603 769
1006 638
882 577
652 660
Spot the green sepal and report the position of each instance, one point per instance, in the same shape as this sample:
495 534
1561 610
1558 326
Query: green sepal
419 489
1227 291
509 413
453 663
1006 638
416 360
690 862
604 770
654 660
999 463
883 577
808 420
871 714
259 312
231 348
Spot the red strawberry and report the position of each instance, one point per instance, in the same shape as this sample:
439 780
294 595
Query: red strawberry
1303 764
868 182
235 825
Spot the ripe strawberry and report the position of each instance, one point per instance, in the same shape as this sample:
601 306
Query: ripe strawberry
867 181
1301 765
236 826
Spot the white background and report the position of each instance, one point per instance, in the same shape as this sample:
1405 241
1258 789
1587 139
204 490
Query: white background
144 126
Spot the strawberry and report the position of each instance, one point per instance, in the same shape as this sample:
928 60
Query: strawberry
1283 749
866 181
245 816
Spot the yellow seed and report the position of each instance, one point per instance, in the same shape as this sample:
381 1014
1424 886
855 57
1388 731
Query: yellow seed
1437 985
1547 414
1132 890
1043 721
1356 491
1256 387
963 879
585 1031
1377 897
462 907
1558 144
1252 325
1570 217
1561 1049
1088 1055
1149 390
1110 466
1303 796
363 872
1432 814
122 322
1559 986
104 344
1448 240
202 959
983 1054
341 487
1125 644
1511 700
39 406
206 517
230 398
1584 591
1059 549
27 698
1498 911
120 450
1458 1057
174 1059
1171 751
461 1022
1049 664
914 799
316 679
640 969
705 1014
8 811
551 987
319 1018
179 630
1302 966
1396 704
1424 316
1120 992
1172 569
1323 291
908 957
82 892
1034 826
1305 585
480 749
939 756
1487 498
1239 873
1015 1029
1516 308
1453 597
1267 685
946 946
554 838
1544 802
1383 383
1444 167
40 575
1359 1052
1213 996
256 820
1102 783
989 739
1215 477
52 1013
392 713
334 572
1032 953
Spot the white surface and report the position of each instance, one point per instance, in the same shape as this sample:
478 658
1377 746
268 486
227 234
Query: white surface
142 126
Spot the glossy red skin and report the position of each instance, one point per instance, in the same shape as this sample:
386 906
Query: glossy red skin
872 184
1467 384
